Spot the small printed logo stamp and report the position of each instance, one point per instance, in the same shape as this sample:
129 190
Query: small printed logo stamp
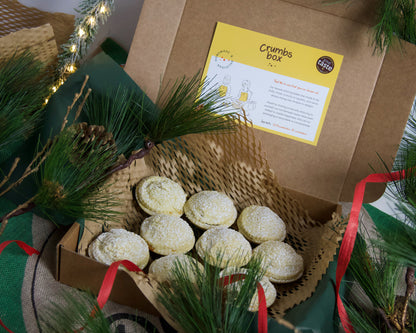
325 65
224 59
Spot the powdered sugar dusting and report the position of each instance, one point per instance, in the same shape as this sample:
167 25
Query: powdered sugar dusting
119 244
167 234
260 224
208 209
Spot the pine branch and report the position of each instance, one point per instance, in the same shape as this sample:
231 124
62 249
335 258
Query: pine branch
121 112
190 106
199 302
23 88
41 155
396 20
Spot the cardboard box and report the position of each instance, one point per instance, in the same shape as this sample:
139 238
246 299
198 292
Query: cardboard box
232 163
368 110
367 115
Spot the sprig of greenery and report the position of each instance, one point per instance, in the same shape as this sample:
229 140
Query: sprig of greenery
123 113
23 89
92 13
199 302
378 278
74 313
71 175
396 20
190 106
180 109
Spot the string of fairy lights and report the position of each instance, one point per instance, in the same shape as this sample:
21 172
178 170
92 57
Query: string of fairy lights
92 13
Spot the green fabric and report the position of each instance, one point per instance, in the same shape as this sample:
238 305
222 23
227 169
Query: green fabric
115 51
12 267
379 217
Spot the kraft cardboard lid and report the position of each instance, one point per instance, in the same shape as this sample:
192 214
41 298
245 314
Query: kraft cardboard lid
368 110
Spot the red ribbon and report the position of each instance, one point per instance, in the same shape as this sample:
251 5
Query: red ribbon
109 278
28 249
351 233
262 313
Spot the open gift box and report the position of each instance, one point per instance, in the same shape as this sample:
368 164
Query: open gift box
366 115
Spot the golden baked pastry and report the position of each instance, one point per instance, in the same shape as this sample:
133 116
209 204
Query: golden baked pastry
119 244
167 234
160 195
207 209
223 247
260 224
269 289
161 268
281 261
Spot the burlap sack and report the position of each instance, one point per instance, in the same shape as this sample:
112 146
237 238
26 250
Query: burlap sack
235 164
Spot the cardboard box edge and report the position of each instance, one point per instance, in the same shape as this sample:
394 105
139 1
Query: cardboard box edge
149 29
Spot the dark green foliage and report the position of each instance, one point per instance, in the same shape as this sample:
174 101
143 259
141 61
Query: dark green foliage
122 114
206 306
183 111
396 19
378 279
71 174
73 313
379 266
23 89
399 240
79 312
132 118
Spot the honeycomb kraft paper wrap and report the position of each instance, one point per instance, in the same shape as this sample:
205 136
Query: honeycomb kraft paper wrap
234 164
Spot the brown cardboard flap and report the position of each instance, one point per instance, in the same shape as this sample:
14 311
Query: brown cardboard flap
156 35
385 122
85 273
367 82
358 11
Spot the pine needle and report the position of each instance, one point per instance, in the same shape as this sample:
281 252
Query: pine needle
185 110
71 176
74 314
396 20
23 88
205 305
376 274
122 113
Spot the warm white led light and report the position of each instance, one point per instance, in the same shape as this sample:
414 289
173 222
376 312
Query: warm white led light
103 9
91 20
81 32
73 48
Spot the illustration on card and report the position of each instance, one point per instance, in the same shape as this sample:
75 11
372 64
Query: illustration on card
240 101
244 99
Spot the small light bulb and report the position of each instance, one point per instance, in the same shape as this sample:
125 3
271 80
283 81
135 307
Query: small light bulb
71 68
54 89
103 9
61 82
81 32
91 20
46 100
73 48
